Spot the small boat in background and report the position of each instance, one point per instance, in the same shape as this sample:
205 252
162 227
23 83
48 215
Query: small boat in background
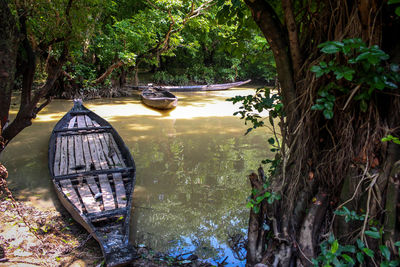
94 173
159 99
194 88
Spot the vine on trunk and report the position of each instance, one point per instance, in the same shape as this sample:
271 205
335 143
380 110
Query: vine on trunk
334 156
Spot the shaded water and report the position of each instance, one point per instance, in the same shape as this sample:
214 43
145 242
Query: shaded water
192 163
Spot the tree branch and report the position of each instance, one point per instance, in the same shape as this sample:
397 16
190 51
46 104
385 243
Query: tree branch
293 37
268 21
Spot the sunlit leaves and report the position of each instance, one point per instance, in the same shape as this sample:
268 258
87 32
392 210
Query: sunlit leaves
354 66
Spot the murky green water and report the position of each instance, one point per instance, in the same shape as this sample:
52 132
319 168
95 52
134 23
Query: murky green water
192 163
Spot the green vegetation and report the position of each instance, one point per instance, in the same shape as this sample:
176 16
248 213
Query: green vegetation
365 69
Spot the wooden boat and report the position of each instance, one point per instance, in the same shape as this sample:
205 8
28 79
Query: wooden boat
94 176
194 88
159 99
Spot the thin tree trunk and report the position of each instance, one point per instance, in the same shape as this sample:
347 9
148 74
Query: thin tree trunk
110 69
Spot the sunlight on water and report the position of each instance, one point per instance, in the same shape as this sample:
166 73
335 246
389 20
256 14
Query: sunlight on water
192 166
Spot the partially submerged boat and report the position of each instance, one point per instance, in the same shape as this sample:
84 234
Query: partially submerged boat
159 99
194 88
94 176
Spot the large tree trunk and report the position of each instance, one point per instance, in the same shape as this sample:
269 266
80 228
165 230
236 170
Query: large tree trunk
9 41
30 100
320 156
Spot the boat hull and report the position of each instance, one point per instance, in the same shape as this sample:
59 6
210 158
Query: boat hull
195 88
159 99
95 186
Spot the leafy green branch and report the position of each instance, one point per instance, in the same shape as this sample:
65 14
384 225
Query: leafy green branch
355 70
253 105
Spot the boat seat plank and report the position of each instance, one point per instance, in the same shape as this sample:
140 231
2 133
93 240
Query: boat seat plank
81 121
95 172
80 164
108 198
71 155
72 122
57 157
107 214
69 191
83 129
64 156
116 149
93 151
119 190
93 185
87 198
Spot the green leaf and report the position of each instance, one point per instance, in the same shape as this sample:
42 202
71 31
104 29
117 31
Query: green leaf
368 252
397 244
390 2
256 209
328 114
348 258
315 68
335 246
330 49
317 107
323 64
360 244
360 257
397 11
271 140
373 234
349 248
385 251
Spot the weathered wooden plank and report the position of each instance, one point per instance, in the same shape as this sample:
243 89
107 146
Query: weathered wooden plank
64 156
107 150
118 157
93 185
72 122
93 151
95 172
111 150
81 130
107 214
108 198
95 123
80 165
57 157
81 121
100 152
87 198
88 121
86 152
69 191
119 190
71 155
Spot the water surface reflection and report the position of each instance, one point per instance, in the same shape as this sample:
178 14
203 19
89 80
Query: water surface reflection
192 164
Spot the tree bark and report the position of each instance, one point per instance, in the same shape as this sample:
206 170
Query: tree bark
324 155
9 41
294 44
268 21
110 69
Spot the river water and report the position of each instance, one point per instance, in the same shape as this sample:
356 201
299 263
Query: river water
192 166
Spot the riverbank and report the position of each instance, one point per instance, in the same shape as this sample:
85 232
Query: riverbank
33 237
